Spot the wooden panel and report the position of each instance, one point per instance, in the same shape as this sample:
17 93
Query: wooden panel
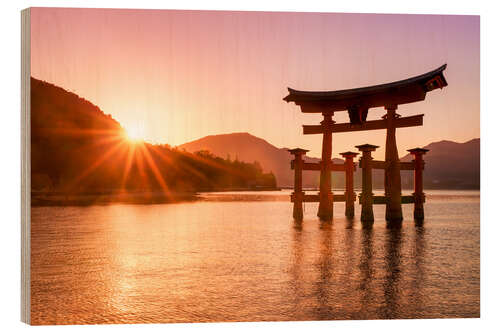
411 121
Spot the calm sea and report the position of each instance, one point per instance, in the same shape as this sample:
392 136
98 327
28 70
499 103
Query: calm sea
240 257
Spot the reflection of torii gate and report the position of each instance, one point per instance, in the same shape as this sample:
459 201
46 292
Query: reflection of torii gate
357 102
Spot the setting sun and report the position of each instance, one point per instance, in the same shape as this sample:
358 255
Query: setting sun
135 132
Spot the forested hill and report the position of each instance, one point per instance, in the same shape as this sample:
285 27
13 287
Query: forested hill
77 148
448 164
451 165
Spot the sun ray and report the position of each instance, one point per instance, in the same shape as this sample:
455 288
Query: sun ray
139 158
97 136
179 165
79 132
156 172
167 159
96 164
107 139
128 165
216 165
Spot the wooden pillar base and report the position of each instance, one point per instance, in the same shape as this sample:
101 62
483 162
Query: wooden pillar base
367 218
418 210
366 197
393 210
325 209
350 196
349 211
392 174
298 195
418 214
298 213
418 194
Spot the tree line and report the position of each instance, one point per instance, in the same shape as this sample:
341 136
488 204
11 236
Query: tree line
77 148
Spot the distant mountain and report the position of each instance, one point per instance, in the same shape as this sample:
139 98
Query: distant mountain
248 148
451 165
76 148
448 164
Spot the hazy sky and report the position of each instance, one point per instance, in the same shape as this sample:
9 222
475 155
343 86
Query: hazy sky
176 76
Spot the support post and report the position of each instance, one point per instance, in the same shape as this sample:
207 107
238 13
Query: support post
350 196
325 208
298 195
392 175
366 197
418 194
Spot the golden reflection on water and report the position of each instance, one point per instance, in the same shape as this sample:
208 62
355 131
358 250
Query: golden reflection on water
243 260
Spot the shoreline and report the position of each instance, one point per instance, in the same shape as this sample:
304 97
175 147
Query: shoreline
49 199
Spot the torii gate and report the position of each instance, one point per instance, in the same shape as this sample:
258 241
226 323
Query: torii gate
357 102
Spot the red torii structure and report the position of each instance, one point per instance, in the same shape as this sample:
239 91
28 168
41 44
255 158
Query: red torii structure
357 102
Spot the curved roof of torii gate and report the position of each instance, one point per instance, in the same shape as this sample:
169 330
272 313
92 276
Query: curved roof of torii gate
399 92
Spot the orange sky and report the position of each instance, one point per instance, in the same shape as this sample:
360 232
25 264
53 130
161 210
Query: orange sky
176 76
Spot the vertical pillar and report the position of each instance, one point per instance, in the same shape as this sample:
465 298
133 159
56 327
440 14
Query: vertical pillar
298 194
350 196
392 175
366 198
325 209
418 194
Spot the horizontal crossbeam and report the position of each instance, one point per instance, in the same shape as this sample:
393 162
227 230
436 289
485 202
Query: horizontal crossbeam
407 165
315 198
311 166
337 167
379 165
417 120
317 166
382 200
383 165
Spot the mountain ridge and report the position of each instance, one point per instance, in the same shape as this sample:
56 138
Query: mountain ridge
77 149
449 164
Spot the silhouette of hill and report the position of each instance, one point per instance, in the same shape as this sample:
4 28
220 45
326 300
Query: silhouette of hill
77 149
448 164
248 148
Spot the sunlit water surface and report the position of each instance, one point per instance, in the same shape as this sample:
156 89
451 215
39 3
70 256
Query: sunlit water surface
240 257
